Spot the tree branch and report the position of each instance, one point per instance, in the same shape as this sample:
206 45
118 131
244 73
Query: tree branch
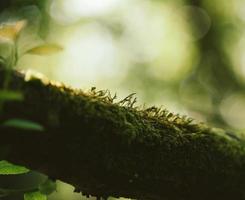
106 149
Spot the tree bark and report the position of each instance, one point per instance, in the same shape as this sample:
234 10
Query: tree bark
114 149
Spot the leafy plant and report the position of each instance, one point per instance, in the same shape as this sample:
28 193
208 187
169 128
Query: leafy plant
35 196
7 168
10 34
39 191
47 187
33 193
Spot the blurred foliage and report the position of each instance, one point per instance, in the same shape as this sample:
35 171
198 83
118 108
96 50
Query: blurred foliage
23 124
35 196
7 168
212 78
213 75
187 55
199 87
32 10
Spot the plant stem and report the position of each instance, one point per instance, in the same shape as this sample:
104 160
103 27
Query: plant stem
9 66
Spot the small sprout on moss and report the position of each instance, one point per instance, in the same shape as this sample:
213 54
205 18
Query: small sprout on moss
162 115
103 95
152 111
109 98
93 90
114 97
128 101
170 115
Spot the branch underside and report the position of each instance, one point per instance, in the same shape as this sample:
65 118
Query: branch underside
105 149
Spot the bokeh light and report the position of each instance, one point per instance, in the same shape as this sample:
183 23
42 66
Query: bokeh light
232 110
188 56
73 10
153 48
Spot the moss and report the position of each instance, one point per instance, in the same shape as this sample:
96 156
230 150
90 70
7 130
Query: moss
105 147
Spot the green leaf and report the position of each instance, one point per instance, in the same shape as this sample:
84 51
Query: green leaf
8 95
11 31
48 187
45 49
35 196
23 124
7 168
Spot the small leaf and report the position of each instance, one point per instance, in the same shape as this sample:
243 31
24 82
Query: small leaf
45 49
34 196
23 124
11 31
7 168
47 187
19 25
8 95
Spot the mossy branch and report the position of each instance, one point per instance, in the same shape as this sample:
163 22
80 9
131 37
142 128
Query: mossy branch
114 149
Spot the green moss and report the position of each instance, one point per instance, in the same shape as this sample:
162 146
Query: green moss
108 147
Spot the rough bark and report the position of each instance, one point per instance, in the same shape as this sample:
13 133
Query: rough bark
106 149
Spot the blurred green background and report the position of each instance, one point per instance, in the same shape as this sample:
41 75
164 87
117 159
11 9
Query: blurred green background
185 55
